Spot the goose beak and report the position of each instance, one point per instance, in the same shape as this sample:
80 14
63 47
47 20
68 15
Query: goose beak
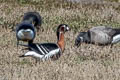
78 42
67 29
22 56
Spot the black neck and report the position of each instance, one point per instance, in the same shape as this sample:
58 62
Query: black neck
117 31
87 37
30 42
58 35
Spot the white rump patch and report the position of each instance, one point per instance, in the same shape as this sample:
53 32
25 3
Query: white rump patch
116 39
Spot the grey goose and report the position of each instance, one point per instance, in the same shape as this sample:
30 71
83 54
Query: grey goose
101 35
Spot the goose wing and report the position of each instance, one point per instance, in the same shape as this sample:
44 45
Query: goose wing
101 34
103 29
45 48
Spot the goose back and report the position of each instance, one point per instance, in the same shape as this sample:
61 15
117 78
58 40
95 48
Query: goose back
101 34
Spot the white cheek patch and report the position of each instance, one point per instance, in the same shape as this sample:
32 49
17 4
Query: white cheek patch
116 39
64 26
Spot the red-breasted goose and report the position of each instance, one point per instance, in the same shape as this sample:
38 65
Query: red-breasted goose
25 31
47 50
99 35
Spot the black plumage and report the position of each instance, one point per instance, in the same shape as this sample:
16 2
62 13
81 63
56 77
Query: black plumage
26 30
45 47
33 18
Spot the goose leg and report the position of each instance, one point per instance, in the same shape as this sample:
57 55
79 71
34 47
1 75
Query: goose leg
111 45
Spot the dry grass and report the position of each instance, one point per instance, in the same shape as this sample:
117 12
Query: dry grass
88 62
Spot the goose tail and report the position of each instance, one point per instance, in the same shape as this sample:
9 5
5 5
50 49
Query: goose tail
34 18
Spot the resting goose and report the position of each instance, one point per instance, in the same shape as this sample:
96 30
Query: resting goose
99 35
45 51
25 31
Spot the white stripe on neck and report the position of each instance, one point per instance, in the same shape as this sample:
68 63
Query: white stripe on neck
60 34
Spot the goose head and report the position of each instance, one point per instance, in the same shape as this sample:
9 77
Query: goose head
80 38
62 28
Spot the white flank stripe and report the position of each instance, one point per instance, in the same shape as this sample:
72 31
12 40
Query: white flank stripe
40 49
33 54
51 53
47 49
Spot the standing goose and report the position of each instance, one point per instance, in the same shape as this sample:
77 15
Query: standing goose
45 51
25 31
99 35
